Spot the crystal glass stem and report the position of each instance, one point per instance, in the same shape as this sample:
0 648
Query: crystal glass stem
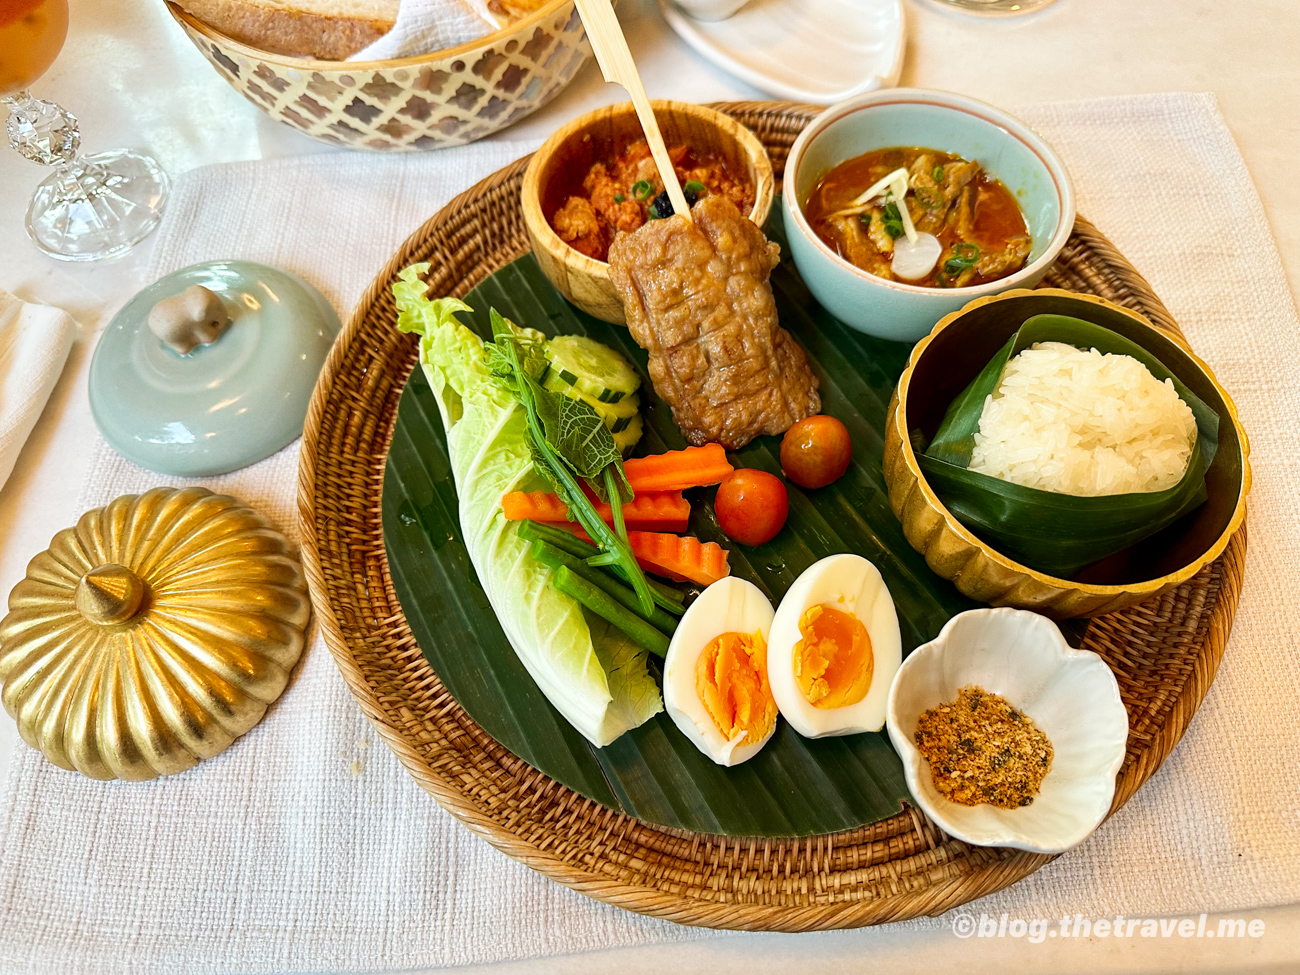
92 206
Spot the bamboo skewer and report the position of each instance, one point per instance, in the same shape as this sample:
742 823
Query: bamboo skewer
616 64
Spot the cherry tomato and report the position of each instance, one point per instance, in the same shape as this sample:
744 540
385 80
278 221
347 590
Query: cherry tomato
816 451
751 506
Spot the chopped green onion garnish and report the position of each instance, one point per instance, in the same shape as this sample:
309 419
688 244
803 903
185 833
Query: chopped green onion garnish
694 186
642 189
619 198
938 174
963 257
893 220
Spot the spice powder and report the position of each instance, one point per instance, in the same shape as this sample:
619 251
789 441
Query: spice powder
981 748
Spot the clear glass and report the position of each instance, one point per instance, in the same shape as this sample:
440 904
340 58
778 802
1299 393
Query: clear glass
992 8
91 207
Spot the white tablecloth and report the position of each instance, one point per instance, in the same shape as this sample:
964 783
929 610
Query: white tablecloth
301 849
132 79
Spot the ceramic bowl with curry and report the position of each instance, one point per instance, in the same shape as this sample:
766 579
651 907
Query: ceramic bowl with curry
902 205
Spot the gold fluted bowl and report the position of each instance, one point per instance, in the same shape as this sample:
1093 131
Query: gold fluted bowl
947 359
152 635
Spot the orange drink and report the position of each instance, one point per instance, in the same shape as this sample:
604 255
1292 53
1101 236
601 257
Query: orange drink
31 34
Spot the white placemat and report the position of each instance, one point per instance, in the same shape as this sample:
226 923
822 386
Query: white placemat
306 848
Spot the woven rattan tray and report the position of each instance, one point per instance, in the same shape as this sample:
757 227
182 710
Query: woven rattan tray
1164 652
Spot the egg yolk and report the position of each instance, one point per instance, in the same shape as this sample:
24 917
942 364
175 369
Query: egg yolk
731 681
833 662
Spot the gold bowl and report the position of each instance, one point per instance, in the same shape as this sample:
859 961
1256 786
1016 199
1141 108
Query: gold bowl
152 635
603 134
946 360
430 101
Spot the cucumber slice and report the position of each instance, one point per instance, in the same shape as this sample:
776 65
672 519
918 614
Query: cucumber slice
592 368
586 370
626 405
626 438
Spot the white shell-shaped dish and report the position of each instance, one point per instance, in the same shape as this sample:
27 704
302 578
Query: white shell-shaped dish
819 51
1070 694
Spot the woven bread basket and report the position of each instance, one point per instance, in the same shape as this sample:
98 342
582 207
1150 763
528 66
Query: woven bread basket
1164 651
429 101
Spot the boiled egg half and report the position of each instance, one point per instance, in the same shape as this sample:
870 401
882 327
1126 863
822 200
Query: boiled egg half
834 649
715 674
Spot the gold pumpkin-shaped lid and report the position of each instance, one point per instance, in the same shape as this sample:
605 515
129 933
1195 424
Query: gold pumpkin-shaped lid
152 635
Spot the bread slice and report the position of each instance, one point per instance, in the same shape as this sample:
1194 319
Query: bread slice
505 12
330 30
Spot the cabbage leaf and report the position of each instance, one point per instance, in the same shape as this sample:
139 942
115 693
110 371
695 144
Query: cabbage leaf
593 675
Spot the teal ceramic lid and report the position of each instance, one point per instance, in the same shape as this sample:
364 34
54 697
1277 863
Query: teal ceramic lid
224 405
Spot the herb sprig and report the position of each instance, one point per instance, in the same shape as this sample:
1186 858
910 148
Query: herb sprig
569 443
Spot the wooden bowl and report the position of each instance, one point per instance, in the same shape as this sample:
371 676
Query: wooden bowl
429 101
603 134
941 366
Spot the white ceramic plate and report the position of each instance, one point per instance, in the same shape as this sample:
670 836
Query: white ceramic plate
1070 694
819 51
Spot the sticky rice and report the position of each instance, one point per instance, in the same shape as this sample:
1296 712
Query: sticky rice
1083 423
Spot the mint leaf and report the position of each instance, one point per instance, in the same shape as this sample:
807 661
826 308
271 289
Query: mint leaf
583 439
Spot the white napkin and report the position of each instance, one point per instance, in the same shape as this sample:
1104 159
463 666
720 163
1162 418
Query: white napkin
307 848
423 26
34 344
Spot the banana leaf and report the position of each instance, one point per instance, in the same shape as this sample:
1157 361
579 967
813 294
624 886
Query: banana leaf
1059 534
794 786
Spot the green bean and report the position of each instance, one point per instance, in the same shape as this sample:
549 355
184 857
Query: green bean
600 603
549 555
535 531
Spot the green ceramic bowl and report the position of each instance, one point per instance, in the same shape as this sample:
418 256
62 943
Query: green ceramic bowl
934 120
